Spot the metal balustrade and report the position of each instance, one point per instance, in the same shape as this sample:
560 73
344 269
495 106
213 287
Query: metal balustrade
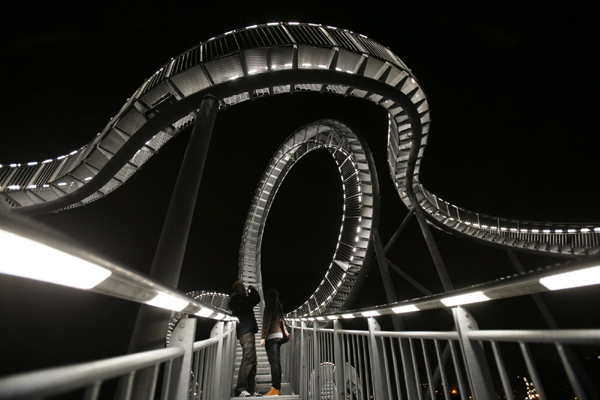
188 372
350 364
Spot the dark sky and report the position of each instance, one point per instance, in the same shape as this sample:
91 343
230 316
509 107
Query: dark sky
513 98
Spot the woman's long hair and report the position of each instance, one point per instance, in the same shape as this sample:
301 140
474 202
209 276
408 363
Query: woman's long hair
272 302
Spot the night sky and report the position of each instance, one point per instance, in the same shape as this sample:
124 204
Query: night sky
513 98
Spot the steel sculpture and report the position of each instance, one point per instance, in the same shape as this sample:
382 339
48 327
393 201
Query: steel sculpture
264 60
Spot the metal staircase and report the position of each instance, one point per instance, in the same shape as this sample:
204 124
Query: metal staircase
263 372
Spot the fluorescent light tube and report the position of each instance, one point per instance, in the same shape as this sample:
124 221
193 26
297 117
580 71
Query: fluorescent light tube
583 277
404 309
204 312
27 258
168 302
370 313
348 316
468 298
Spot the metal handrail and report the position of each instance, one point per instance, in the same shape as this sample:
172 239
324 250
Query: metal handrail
205 343
418 335
565 336
55 381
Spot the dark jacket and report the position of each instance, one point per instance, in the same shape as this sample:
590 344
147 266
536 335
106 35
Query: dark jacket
242 307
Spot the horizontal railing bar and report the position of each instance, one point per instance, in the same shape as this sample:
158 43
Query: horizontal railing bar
569 336
54 381
353 332
205 343
418 335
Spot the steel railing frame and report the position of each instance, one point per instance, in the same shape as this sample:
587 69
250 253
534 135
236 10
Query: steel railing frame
199 358
372 360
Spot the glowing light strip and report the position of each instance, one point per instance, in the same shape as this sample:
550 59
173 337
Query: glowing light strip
468 298
169 302
405 309
29 259
583 277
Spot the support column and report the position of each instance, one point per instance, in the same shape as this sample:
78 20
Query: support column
151 326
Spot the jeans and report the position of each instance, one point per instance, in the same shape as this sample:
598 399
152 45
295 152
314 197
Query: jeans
247 374
273 346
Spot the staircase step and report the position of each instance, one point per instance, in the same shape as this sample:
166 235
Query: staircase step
286 390
260 370
259 378
282 397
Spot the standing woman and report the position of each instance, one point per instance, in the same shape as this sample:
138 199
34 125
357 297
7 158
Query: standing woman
272 336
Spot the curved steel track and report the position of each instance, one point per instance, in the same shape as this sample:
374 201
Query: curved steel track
266 60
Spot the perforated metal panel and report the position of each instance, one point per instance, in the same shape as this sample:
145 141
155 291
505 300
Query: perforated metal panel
191 81
225 69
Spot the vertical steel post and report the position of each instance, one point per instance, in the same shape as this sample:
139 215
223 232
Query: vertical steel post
377 368
303 369
227 361
316 362
183 336
474 355
340 382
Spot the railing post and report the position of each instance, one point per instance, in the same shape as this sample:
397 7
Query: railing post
377 367
228 359
183 336
217 331
316 363
338 349
303 370
474 355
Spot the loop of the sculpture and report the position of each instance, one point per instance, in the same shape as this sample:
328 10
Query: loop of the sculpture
360 204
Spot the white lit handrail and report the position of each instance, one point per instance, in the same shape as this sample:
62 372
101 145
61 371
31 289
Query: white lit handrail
573 275
53 257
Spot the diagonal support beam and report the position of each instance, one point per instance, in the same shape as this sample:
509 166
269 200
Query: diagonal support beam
399 231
